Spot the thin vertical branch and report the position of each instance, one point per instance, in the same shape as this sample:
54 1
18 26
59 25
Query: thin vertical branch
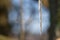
22 35
40 12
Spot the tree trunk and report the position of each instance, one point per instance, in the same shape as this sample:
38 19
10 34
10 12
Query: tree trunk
53 19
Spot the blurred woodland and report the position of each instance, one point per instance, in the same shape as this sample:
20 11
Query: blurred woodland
5 28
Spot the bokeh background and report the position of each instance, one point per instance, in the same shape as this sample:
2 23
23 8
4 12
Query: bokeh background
11 20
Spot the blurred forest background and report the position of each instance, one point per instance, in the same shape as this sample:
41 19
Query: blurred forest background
8 5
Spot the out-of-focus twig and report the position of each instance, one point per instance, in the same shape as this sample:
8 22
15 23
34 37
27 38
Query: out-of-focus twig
40 12
22 35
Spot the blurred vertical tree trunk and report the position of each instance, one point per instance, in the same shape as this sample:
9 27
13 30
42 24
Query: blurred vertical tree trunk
22 27
5 27
53 19
58 11
58 19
